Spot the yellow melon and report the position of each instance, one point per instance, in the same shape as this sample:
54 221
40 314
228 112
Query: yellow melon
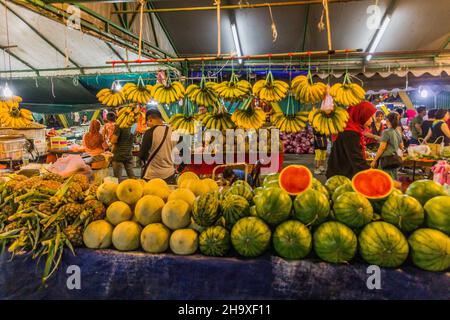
188 175
176 214
157 182
183 194
97 235
157 190
212 185
106 192
129 191
118 212
184 241
148 209
198 187
155 238
126 236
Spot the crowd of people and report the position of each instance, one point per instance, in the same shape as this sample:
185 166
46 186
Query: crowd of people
387 136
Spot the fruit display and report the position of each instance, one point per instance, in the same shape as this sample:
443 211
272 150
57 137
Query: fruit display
249 117
234 89
299 143
203 94
424 190
15 117
111 98
183 124
306 91
295 179
292 240
353 210
328 124
168 93
127 116
373 184
291 123
137 93
269 89
347 93
311 207
217 121
430 249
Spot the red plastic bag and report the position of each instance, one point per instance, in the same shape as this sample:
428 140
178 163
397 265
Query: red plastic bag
327 105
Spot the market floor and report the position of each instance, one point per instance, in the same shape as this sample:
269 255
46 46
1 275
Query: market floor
303 159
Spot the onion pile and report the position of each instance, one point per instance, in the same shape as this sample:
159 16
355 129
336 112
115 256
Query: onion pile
298 143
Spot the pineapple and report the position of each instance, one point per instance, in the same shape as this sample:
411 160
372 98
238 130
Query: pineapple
8 210
54 177
91 193
49 186
82 180
74 234
71 211
95 209
27 185
70 192
12 226
47 208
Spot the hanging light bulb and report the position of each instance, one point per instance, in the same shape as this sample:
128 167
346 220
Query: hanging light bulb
7 93
116 86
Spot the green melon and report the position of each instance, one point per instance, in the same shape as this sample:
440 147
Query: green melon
250 237
292 240
403 211
214 241
316 185
353 210
234 207
382 244
424 190
336 181
273 205
341 190
311 207
241 188
335 242
430 249
377 204
438 213
205 210
271 180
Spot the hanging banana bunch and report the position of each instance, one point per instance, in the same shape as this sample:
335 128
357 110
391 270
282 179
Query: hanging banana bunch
186 122
110 98
168 93
234 89
270 90
328 124
347 93
10 102
218 119
306 91
127 116
290 122
137 93
15 117
248 117
203 94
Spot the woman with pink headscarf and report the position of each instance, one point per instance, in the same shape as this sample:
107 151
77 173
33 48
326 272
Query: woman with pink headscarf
93 141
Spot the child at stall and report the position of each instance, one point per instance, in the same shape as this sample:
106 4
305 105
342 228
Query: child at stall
320 151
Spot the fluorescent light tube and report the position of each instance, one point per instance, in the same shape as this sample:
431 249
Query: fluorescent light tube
378 36
236 41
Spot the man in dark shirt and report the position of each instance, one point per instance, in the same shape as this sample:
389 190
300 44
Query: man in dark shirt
122 141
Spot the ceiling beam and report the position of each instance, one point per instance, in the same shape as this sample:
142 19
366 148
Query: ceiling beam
117 53
29 25
305 27
138 7
121 20
163 26
152 24
19 59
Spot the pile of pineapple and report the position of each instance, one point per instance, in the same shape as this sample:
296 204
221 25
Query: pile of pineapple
43 215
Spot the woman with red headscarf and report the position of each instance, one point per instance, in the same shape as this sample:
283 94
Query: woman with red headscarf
93 141
348 154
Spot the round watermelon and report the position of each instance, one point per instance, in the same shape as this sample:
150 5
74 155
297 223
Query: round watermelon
257 191
205 210
292 240
382 244
438 213
240 188
353 210
321 188
273 205
341 190
336 181
270 179
335 242
250 237
424 190
234 207
430 249
403 211
377 204
214 241
311 207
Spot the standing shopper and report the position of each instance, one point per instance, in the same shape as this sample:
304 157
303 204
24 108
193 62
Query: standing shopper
391 143
93 141
156 149
416 125
109 127
348 154
373 133
439 130
426 125
122 148
320 152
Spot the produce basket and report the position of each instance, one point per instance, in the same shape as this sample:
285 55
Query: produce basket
11 147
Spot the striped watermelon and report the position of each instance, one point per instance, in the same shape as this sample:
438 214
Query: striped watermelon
234 207
403 211
438 213
250 237
311 207
353 210
214 241
273 205
241 188
347 187
430 249
205 210
336 181
292 240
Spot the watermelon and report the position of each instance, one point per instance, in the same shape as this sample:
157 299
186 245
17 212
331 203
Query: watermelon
377 204
311 207
273 205
438 213
335 242
205 210
257 191
295 179
292 240
336 181
353 210
341 190
403 211
270 179
382 244
234 207
271 184
373 184
430 249
250 236
253 211
214 241
241 188
424 190
320 187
